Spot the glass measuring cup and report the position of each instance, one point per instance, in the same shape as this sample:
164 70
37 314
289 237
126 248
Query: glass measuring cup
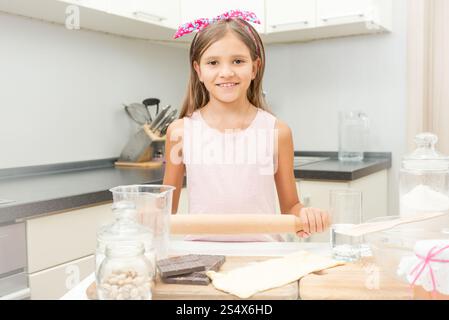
154 206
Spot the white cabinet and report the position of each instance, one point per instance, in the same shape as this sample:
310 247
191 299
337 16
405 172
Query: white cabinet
284 15
342 11
286 20
195 9
281 20
53 283
150 11
60 249
63 237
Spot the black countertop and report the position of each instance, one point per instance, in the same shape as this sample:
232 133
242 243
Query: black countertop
333 169
51 188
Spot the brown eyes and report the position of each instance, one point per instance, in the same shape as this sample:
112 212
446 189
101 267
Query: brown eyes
214 62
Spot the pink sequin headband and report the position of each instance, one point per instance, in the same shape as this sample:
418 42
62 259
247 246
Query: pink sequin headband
200 24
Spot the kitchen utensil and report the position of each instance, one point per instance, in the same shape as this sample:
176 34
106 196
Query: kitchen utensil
366 228
151 102
164 130
345 212
159 117
163 126
138 113
140 146
154 205
234 223
166 118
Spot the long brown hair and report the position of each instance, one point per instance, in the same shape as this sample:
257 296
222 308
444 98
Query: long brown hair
197 95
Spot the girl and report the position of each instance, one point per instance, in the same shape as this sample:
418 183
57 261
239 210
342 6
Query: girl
233 150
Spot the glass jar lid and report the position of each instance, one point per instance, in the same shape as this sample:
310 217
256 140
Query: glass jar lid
425 157
125 227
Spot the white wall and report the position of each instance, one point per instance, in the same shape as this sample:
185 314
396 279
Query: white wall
61 91
307 84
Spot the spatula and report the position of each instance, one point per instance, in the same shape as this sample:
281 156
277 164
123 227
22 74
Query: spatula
366 228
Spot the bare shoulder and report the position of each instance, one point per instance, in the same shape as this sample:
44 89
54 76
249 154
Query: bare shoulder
284 130
176 129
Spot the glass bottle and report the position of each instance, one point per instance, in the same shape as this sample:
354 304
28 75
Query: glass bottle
125 273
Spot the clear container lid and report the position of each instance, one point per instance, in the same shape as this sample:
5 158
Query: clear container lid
125 227
425 157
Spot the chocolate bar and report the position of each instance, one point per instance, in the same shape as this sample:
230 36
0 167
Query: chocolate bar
195 278
211 262
180 265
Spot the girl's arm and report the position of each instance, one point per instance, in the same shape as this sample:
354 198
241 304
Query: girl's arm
314 220
284 175
174 166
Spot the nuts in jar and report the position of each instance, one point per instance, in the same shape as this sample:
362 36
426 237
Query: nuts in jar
125 273
124 285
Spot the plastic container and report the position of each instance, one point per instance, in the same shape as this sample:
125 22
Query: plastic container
125 228
424 182
154 205
125 273
389 247
353 135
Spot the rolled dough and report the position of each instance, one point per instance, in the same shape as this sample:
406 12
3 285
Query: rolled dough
246 281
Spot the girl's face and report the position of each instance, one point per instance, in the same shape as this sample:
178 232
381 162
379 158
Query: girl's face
226 69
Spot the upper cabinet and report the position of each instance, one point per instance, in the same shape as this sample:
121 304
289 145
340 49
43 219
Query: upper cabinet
281 20
165 14
195 9
376 12
286 15
292 21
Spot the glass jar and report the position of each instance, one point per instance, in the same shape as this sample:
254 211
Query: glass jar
125 273
353 135
124 228
424 182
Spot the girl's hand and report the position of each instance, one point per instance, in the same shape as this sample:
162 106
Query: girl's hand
314 220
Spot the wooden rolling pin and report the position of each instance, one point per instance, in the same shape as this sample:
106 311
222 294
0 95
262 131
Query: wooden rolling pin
234 223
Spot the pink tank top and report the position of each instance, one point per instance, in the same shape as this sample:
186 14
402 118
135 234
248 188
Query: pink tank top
230 172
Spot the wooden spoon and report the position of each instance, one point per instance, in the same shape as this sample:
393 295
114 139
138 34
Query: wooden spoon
366 228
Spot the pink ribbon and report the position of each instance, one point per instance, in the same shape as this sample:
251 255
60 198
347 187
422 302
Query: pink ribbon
201 23
426 262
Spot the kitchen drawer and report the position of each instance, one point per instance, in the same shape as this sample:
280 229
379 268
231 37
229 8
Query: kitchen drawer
63 237
12 248
54 282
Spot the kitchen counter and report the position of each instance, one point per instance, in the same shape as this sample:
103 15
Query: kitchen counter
353 281
52 188
218 248
333 169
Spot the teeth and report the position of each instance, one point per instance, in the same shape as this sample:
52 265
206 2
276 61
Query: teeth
227 84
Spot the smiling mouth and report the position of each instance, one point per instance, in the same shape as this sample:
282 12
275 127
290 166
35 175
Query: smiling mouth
227 85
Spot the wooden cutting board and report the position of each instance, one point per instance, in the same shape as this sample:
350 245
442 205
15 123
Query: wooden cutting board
354 281
163 291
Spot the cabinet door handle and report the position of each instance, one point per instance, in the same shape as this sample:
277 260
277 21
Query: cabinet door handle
148 16
326 19
304 22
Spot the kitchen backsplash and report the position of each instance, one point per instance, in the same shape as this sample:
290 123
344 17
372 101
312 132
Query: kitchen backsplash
62 90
